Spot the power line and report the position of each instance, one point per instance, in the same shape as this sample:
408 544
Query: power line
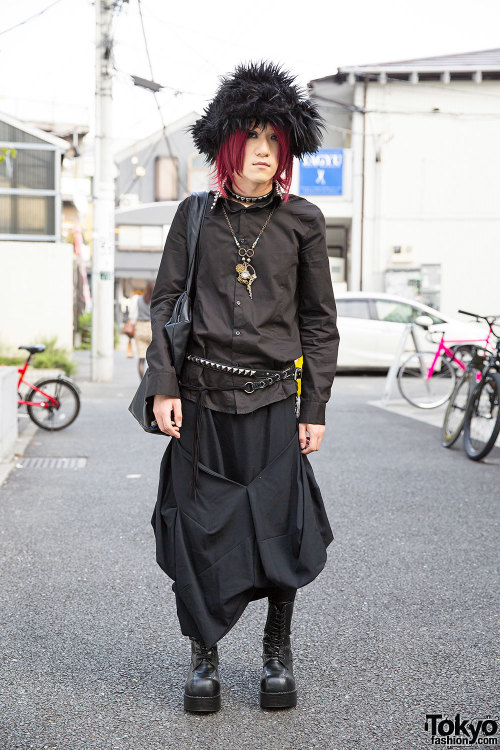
31 18
145 164
439 86
443 87
195 50
335 104
176 91
164 127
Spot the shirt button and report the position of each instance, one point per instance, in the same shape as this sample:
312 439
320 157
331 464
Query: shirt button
238 302
237 333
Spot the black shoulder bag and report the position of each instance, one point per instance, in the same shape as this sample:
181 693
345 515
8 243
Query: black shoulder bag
178 328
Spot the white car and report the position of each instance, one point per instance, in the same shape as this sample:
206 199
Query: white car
371 325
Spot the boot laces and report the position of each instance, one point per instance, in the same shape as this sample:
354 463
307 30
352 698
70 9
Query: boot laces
205 654
276 632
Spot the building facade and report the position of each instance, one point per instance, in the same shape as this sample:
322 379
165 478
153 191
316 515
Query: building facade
153 175
36 267
421 200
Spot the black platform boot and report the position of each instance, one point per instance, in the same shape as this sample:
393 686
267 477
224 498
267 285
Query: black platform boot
202 689
277 684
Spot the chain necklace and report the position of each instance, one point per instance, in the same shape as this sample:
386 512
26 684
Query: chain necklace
246 272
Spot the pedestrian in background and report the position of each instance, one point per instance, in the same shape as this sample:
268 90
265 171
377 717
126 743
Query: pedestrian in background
140 316
239 515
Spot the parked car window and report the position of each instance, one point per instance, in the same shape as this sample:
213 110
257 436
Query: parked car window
353 308
395 312
435 318
399 312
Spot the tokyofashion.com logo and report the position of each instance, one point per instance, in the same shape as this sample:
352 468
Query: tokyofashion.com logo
465 732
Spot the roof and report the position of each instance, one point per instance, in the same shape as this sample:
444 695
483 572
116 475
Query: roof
462 65
485 60
59 143
156 214
140 145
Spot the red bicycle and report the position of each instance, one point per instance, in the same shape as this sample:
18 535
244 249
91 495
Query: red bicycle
53 403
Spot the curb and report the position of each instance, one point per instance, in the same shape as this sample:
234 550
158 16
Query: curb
18 449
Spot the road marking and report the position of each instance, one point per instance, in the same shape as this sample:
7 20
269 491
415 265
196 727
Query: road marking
54 462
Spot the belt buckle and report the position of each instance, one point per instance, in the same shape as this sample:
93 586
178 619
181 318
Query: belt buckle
298 373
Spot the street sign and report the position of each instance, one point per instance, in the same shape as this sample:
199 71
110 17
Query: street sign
322 173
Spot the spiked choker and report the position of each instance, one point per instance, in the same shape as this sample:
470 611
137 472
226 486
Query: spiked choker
246 198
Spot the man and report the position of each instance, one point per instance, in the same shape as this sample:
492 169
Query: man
239 514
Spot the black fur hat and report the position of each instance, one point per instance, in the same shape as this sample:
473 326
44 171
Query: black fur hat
261 91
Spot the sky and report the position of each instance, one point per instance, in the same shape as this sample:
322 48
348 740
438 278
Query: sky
47 63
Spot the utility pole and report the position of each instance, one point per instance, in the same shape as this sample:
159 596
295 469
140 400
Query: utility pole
103 236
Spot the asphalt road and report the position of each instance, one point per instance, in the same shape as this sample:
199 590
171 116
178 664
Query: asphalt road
402 622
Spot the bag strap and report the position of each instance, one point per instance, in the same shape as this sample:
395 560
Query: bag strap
197 208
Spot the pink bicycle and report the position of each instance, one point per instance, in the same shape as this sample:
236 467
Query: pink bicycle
427 379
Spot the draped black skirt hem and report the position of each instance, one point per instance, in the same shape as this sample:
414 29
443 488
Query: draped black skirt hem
258 519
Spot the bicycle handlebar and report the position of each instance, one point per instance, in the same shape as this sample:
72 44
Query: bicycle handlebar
491 320
487 318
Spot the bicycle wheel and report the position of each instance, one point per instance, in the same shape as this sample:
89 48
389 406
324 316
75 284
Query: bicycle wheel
453 422
463 353
63 413
418 389
482 419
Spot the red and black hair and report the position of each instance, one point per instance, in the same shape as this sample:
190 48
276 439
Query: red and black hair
230 157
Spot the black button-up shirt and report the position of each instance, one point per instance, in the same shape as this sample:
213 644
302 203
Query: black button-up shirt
292 312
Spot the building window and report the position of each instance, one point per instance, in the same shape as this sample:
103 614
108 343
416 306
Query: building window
166 178
27 214
29 170
135 237
198 173
9 132
29 197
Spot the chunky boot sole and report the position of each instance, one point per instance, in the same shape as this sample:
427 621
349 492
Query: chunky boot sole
278 700
201 705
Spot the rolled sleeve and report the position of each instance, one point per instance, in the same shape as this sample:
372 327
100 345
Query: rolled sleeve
317 323
164 383
312 412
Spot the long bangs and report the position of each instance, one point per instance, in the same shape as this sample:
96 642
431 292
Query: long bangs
231 154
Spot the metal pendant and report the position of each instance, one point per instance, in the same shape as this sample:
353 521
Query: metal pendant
246 275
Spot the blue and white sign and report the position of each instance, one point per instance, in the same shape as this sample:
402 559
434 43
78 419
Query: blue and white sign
322 173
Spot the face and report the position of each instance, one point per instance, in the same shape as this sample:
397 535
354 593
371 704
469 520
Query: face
260 160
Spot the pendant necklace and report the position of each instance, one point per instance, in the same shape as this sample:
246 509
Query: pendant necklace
244 269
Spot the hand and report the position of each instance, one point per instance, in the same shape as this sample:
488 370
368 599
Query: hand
310 437
162 409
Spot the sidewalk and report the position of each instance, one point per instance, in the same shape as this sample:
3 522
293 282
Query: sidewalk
432 417
401 622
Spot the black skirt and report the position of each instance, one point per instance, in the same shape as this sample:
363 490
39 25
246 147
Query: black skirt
258 520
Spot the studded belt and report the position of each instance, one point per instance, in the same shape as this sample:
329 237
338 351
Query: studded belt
267 377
